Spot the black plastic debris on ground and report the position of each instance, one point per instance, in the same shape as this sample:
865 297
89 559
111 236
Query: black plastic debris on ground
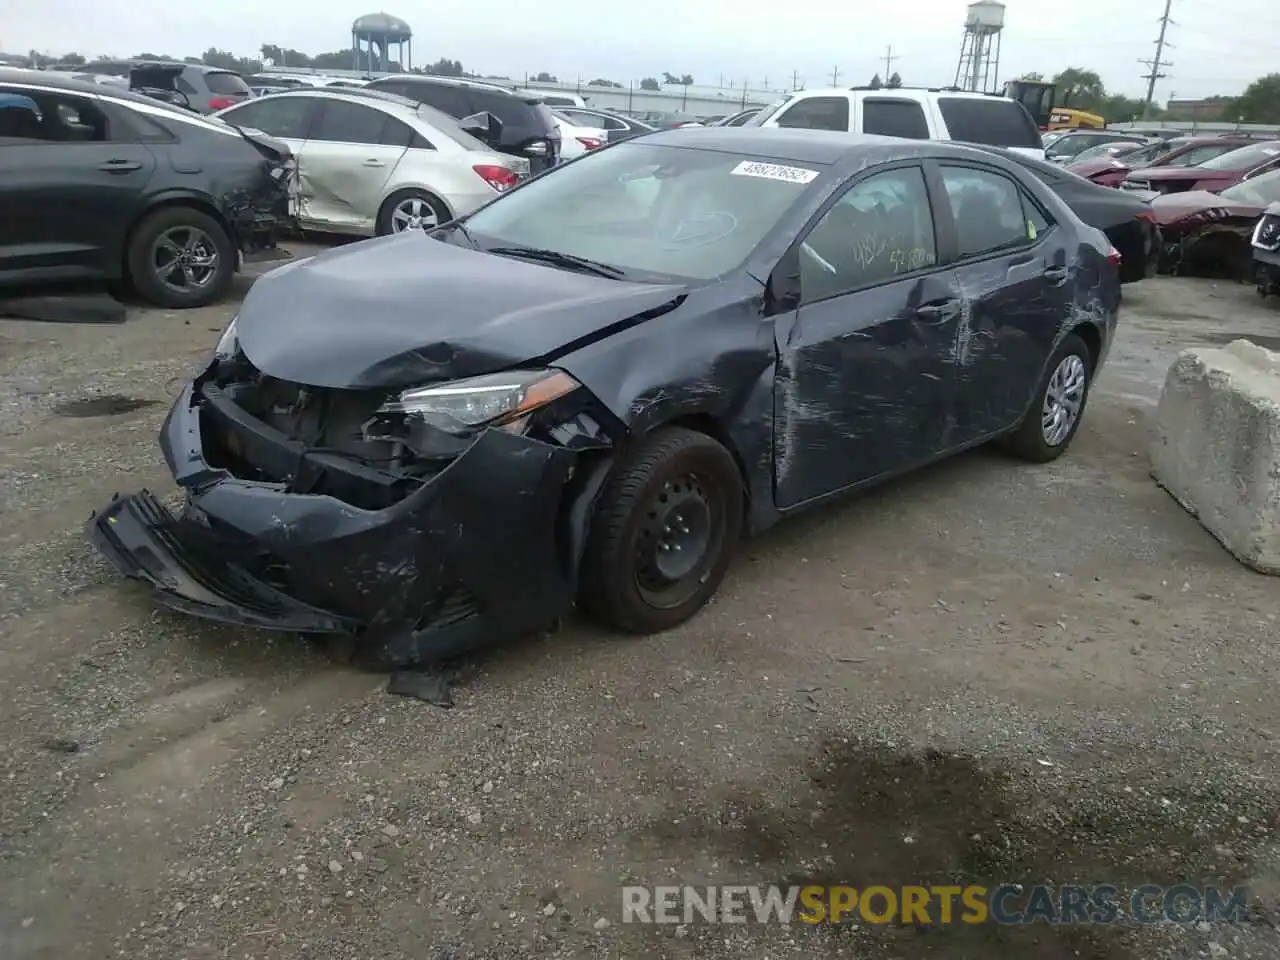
432 687
65 308
106 405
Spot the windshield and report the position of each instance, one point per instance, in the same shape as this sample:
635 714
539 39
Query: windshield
762 117
1104 151
1140 158
1262 190
1198 156
649 209
1244 158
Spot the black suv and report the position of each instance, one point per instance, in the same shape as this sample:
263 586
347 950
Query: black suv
528 128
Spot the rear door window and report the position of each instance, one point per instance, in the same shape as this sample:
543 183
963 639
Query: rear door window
988 211
452 100
341 122
397 133
817 113
894 118
991 120
227 84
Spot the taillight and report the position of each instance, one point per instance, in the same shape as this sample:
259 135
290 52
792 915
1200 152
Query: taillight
591 143
500 178
221 103
1113 257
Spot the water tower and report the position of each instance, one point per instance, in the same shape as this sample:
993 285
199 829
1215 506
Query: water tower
373 35
979 67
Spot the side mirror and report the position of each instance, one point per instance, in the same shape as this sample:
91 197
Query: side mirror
483 126
782 292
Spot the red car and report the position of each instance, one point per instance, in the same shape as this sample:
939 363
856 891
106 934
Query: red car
1212 231
1175 152
1212 175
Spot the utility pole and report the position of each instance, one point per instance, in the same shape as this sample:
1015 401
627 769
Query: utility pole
889 57
795 79
835 76
1157 61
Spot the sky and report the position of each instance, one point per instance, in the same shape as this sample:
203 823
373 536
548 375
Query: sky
1219 46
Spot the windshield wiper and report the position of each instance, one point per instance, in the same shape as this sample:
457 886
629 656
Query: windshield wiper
556 258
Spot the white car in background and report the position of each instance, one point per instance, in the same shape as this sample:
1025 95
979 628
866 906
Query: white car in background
372 163
575 140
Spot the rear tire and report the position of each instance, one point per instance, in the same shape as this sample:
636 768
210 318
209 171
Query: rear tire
398 212
180 258
1044 434
664 533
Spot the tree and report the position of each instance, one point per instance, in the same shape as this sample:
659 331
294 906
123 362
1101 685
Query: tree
648 83
337 60
444 67
686 80
895 81
1032 77
1260 102
545 77
875 82
601 82
74 59
287 57
1081 89
227 60
669 77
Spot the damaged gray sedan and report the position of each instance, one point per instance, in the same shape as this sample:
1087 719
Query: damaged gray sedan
591 388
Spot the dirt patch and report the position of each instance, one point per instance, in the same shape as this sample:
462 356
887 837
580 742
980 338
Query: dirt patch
872 816
107 405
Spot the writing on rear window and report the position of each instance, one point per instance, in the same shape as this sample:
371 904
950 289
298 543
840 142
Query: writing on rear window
773 171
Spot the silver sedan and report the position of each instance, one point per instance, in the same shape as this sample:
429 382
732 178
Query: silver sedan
375 163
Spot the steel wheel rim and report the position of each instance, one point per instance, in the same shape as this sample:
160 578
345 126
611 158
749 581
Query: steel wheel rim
1063 400
677 541
185 259
413 213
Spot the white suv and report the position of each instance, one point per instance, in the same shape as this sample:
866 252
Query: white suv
916 114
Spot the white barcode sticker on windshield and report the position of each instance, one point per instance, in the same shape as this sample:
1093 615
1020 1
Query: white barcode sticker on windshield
773 171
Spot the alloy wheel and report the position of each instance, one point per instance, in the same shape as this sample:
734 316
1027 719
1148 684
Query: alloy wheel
184 259
1063 399
413 213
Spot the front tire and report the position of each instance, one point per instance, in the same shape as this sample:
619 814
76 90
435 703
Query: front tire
664 533
410 210
180 258
1046 431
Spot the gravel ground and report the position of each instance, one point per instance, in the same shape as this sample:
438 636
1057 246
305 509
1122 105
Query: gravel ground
983 672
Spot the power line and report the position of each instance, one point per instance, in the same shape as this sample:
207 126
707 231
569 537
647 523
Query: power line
1157 61
889 57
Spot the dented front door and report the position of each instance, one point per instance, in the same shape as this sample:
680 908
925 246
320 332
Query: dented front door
860 388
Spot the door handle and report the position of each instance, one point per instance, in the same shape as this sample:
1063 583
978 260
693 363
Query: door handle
937 310
373 163
120 166
1056 275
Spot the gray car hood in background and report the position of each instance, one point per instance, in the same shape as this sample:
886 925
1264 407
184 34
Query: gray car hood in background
409 309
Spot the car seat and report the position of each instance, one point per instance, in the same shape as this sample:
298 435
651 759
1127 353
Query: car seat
20 123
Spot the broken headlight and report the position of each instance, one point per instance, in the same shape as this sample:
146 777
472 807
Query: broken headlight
462 407
228 343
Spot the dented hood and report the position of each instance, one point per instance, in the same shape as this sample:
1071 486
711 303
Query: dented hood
1199 206
1199 174
408 309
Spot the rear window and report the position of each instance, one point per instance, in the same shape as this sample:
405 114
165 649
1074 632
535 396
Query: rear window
511 110
993 120
226 83
894 118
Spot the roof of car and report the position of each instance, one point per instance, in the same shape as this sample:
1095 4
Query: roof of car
802 146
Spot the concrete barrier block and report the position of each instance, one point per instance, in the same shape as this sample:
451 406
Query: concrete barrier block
1217 446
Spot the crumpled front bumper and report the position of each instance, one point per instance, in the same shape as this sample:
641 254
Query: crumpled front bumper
473 556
